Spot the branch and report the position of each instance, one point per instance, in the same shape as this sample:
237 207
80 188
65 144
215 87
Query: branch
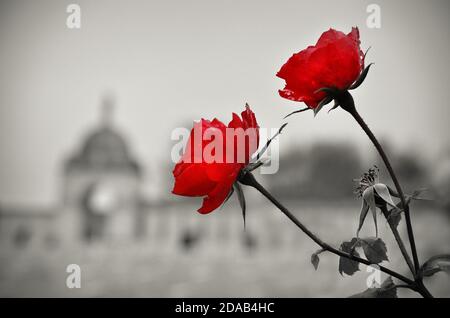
347 103
249 180
387 163
399 240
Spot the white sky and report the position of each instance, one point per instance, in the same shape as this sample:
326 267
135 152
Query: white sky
169 62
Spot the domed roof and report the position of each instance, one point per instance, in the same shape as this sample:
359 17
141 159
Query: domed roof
104 147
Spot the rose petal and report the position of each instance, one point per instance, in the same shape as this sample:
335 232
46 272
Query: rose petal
335 61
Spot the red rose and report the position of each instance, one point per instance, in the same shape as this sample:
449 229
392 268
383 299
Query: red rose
335 61
198 176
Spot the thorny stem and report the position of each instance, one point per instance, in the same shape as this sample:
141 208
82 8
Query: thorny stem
249 180
405 206
346 101
422 289
399 240
417 286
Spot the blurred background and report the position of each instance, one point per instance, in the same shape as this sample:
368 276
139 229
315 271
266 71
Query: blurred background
86 117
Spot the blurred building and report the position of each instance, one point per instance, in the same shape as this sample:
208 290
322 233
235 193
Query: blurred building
101 182
325 171
100 194
101 202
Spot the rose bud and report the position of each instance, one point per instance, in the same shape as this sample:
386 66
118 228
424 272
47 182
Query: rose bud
374 195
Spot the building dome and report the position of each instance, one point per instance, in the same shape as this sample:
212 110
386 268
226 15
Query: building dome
104 148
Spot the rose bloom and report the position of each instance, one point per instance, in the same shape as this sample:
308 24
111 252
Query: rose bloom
335 61
195 176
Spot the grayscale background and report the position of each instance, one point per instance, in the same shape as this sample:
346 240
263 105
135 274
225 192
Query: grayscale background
85 122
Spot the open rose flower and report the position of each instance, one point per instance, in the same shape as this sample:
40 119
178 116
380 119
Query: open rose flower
336 61
214 156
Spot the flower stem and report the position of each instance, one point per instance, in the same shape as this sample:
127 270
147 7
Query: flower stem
387 163
399 240
421 289
346 101
249 180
